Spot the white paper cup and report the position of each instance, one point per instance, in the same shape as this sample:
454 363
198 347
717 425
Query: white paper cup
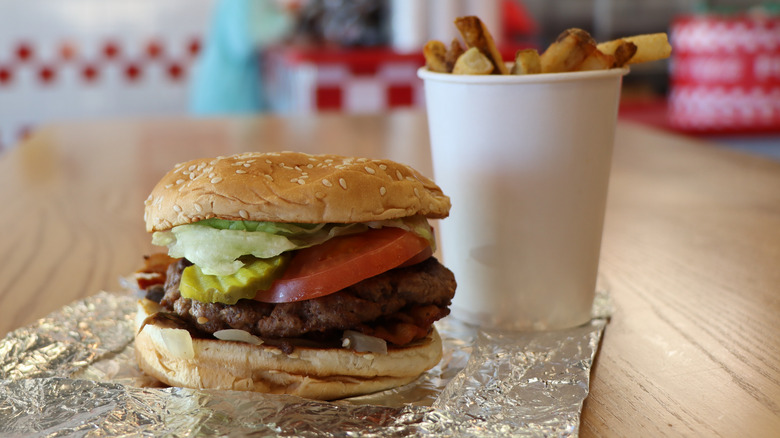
526 161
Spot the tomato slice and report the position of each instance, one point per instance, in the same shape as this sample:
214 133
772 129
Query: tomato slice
343 261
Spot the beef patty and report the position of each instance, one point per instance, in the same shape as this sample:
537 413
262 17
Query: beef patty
419 294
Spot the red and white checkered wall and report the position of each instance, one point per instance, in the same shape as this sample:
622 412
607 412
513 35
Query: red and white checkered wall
66 60
352 82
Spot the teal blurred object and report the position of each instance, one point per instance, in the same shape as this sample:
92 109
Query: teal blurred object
227 78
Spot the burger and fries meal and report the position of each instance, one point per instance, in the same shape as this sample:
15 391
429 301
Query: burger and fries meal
314 275
573 50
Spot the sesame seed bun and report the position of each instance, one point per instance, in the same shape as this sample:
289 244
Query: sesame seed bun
291 187
315 373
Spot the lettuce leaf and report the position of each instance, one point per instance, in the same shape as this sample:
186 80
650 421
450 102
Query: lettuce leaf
216 245
216 251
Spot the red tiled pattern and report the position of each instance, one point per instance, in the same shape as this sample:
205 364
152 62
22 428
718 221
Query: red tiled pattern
725 74
24 56
28 64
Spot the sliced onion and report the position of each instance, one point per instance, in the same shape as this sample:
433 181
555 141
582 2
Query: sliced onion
363 343
177 341
237 335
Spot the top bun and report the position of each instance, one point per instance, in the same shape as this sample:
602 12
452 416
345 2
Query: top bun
291 187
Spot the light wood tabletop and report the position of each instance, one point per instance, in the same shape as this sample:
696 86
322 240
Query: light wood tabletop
691 252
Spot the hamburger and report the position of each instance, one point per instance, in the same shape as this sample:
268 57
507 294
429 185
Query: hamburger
291 273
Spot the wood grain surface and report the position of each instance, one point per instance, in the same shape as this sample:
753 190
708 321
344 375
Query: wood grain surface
691 251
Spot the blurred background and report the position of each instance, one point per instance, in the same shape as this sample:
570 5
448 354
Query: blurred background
63 60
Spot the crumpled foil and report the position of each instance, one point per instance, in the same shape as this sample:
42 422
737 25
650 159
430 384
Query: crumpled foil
74 373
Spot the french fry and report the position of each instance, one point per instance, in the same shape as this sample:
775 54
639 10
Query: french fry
597 61
568 51
435 54
453 53
649 47
624 51
573 50
475 34
526 62
473 62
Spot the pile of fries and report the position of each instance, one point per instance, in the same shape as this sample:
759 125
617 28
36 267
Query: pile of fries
573 50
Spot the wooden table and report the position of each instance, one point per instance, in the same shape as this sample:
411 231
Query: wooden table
691 251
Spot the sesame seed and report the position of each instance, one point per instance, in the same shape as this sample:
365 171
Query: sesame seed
326 183
243 214
186 172
268 161
240 171
319 195
212 175
309 166
301 181
416 192
191 168
398 174
382 190
179 181
383 166
298 168
409 178
216 180
368 356
268 177
362 160
370 170
343 183
197 207
168 186
176 208
247 165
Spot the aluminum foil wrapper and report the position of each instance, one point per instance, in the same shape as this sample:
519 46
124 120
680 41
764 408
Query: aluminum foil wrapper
74 373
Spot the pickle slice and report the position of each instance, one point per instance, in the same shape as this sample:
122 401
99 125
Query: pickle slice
258 274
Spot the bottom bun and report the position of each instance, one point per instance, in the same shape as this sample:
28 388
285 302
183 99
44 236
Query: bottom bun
176 359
